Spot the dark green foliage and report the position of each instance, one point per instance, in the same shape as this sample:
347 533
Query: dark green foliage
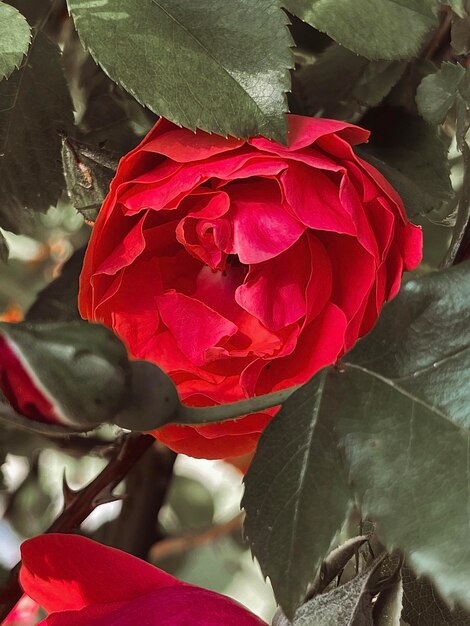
199 72
377 30
14 39
396 411
34 106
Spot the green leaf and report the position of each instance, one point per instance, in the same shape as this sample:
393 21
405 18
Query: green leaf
422 605
88 172
460 28
341 84
347 605
216 65
398 408
460 241
412 155
331 568
401 412
14 39
297 496
438 93
388 606
34 105
389 29
458 6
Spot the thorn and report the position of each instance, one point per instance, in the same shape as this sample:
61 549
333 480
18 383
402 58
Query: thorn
68 493
106 498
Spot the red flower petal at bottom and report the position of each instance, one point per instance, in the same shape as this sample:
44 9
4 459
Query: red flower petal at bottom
218 440
69 572
173 606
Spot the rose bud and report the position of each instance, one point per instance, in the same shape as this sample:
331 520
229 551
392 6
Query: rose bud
83 582
74 374
244 267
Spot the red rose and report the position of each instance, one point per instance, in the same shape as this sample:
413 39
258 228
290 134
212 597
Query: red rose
243 267
83 583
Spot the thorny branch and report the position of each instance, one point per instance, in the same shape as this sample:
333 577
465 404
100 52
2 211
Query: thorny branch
79 504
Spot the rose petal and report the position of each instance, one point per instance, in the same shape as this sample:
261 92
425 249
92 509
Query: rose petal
215 441
174 606
351 201
385 186
126 249
382 220
320 283
394 270
274 291
158 192
202 233
184 146
352 280
304 131
137 292
410 242
257 165
314 199
262 228
69 572
322 342
195 326
88 616
217 290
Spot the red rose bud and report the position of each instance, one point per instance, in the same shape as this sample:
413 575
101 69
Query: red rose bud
69 374
244 267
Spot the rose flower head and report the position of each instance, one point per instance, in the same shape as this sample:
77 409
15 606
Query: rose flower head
83 583
244 267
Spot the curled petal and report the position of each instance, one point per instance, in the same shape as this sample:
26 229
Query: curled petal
69 572
179 312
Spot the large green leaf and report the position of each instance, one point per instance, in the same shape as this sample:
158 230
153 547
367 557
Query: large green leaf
34 106
14 39
402 408
388 29
217 65
422 606
438 93
398 408
296 494
341 84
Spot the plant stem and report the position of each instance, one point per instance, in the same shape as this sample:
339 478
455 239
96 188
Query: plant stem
79 504
136 529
